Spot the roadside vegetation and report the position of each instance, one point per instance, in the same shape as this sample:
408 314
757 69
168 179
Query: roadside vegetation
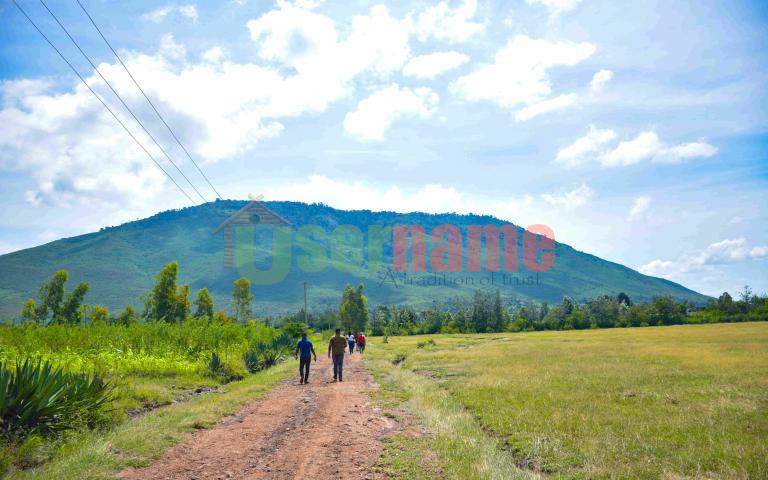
72 368
667 402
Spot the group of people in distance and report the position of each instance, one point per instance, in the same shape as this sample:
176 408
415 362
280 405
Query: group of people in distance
337 346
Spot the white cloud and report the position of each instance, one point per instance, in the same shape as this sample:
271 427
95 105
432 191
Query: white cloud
546 106
569 200
434 64
629 152
63 139
639 207
518 74
159 14
647 146
724 252
189 11
600 80
556 7
684 151
593 147
375 114
585 148
449 24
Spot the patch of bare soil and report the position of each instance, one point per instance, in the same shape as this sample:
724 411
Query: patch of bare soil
319 430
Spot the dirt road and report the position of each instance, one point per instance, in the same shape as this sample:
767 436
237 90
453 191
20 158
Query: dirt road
319 430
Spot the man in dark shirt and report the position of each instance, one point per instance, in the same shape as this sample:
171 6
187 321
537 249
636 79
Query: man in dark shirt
305 348
337 346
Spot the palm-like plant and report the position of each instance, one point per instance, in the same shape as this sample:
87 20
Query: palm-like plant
38 398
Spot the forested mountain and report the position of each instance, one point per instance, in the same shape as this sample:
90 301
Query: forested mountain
120 264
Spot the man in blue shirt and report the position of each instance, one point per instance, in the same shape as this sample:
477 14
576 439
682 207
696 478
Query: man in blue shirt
305 348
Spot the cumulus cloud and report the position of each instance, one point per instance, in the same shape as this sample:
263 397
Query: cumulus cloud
585 149
546 106
639 207
556 7
646 146
75 150
518 75
159 14
189 11
600 80
453 25
569 200
434 64
375 114
724 252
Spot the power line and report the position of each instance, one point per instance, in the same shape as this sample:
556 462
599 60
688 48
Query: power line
101 101
122 101
147 97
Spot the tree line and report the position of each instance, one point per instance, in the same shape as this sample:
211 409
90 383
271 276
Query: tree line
167 301
485 312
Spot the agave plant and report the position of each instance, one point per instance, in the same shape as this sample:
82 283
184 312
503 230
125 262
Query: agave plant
266 353
38 398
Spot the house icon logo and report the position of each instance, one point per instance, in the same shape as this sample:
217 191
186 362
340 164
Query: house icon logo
254 213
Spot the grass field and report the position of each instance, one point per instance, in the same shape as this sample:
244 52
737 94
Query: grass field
147 366
664 402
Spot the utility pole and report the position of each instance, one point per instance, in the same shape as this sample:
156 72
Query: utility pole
305 303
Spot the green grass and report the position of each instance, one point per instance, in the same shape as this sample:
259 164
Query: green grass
666 402
99 455
149 365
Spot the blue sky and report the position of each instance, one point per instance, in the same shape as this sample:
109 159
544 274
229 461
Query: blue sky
636 130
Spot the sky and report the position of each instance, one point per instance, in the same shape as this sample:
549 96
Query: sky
637 131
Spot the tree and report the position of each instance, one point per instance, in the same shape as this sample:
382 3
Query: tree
71 313
353 310
182 304
161 304
499 318
52 296
204 304
624 298
221 317
241 299
665 311
381 318
605 311
127 317
29 311
99 314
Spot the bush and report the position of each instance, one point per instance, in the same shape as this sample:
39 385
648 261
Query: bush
266 353
38 398
428 343
221 370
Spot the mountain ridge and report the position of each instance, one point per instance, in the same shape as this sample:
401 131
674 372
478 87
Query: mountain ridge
120 262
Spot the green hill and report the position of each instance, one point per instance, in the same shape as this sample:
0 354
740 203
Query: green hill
120 264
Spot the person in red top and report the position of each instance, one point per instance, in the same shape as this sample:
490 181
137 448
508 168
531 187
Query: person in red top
361 342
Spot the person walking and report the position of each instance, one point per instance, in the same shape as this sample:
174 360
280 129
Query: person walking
306 350
336 347
351 341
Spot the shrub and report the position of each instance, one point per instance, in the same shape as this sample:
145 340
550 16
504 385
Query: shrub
266 353
428 343
223 371
38 398
399 358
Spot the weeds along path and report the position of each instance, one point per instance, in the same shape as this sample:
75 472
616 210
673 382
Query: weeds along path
320 430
